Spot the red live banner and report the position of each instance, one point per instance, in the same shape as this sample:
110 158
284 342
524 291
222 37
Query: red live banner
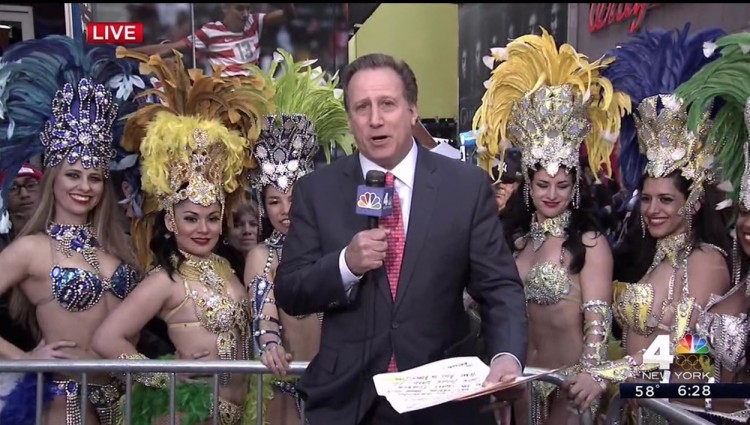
114 33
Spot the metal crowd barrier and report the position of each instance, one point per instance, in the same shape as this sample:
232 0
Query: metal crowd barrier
556 379
672 413
128 367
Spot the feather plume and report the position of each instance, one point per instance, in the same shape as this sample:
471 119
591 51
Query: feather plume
231 112
302 89
534 64
652 63
724 82
31 73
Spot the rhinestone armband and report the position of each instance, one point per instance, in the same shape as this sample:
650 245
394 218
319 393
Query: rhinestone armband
154 380
619 370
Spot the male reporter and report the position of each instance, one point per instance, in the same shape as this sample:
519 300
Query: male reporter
392 296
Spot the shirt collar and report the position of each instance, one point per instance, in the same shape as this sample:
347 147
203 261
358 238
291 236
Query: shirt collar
403 171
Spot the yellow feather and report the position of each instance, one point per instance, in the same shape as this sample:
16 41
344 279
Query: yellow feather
531 62
230 110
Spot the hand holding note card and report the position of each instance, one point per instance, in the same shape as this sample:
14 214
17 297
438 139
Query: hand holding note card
455 379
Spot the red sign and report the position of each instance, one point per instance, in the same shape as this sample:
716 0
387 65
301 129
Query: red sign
602 15
114 32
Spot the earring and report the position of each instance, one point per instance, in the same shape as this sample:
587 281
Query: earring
225 241
526 193
170 217
643 228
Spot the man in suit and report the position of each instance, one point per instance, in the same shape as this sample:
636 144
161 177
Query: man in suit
392 296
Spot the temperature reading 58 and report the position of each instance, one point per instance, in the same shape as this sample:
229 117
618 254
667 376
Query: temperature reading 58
644 391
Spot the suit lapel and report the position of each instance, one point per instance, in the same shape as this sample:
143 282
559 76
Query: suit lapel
354 222
423 202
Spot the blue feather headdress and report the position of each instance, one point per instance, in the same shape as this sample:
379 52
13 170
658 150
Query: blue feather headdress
63 100
655 63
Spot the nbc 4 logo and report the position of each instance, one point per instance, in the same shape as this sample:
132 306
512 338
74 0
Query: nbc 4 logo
692 360
370 201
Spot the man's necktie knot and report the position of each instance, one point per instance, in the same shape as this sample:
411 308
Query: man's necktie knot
389 179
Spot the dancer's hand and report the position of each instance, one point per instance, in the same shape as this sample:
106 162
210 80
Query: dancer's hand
187 378
583 390
275 358
50 351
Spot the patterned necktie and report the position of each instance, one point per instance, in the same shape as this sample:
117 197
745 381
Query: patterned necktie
395 253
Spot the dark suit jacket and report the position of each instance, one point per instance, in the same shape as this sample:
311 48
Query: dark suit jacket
454 238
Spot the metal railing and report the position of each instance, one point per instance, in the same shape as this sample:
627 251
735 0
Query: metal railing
672 413
213 368
129 367
558 380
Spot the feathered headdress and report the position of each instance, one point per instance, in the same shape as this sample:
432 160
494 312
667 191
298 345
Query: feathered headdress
548 102
123 77
194 145
309 115
63 100
725 82
655 139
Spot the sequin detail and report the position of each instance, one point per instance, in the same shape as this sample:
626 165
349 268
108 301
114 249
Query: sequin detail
78 290
547 283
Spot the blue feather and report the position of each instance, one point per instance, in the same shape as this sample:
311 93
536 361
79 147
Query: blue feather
34 71
19 405
651 63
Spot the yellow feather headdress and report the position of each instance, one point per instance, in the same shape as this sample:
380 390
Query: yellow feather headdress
547 102
195 143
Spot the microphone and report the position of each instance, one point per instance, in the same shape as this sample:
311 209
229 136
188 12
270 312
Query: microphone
374 200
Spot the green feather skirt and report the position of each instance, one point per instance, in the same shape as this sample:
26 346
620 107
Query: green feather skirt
193 403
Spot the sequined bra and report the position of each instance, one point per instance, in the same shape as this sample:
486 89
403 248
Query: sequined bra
634 302
216 310
548 282
727 334
76 289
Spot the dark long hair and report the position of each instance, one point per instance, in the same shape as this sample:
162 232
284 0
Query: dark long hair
164 246
634 254
582 219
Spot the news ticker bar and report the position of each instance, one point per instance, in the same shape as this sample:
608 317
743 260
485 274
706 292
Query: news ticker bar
697 390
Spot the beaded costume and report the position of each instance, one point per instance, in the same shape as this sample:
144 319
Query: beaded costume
656 141
63 100
547 102
309 115
193 147
726 334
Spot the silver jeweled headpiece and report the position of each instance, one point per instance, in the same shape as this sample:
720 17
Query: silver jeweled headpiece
80 127
284 151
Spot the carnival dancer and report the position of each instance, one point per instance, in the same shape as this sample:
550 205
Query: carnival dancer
71 263
724 325
669 264
193 154
548 101
310 115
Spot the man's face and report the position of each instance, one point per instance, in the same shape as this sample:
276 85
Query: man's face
235 15
24 196
503 192
380 116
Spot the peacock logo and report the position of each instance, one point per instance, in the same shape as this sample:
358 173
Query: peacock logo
369 200
692 344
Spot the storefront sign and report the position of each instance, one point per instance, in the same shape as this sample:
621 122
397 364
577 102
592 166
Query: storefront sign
602 15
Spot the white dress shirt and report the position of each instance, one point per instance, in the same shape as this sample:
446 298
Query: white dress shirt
403 183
